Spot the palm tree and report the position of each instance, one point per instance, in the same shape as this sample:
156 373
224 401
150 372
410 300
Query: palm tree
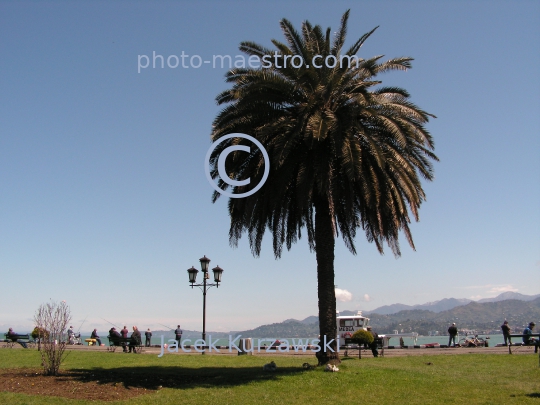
344 152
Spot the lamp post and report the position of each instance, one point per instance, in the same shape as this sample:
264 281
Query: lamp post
205 286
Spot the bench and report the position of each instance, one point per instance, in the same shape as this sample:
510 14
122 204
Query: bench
350 345
11 340
115 342
521 336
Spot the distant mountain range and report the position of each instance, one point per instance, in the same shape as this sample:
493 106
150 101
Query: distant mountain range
484 315
445 304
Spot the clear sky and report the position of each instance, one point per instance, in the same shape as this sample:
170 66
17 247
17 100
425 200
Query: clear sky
103 197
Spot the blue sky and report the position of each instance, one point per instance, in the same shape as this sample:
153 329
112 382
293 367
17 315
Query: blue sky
104 201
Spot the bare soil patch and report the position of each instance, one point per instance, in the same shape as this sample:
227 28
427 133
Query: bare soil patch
78 384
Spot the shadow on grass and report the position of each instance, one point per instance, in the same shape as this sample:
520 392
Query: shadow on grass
156 377
533 395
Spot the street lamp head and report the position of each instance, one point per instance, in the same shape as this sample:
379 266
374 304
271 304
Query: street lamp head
218 271
205 261
192 272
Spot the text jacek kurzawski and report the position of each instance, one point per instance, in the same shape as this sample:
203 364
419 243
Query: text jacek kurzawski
274 345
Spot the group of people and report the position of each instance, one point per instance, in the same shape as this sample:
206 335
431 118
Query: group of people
527 338
527 332
135 337
134 340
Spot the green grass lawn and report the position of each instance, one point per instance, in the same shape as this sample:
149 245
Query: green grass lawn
459 379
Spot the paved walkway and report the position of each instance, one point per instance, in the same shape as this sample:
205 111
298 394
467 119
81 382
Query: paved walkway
156 350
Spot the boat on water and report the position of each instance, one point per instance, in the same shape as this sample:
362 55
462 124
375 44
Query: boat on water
348 324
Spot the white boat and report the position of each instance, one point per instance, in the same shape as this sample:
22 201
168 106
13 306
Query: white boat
348 324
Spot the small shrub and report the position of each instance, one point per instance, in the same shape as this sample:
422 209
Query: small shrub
51 320
362 337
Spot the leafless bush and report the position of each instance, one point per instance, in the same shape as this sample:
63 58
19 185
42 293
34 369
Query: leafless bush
51 320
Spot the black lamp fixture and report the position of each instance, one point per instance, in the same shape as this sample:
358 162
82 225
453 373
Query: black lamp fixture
204 286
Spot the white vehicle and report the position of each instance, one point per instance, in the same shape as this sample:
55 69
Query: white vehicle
348 324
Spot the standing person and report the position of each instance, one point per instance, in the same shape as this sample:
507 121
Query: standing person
452 331
373 345
135 340
71 335
506 333
148 337
94 335
527 339
124 332
178 335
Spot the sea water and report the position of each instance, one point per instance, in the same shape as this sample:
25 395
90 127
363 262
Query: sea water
421 340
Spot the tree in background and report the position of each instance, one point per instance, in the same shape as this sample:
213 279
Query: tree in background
51 321
344 153
36 333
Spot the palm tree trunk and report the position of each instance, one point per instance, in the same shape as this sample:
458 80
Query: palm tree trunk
324 250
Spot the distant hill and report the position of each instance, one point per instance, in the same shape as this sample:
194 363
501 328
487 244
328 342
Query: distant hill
483 317
509 295
289 329
446 304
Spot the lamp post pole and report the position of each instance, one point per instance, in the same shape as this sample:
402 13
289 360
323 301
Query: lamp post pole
204 310
204 286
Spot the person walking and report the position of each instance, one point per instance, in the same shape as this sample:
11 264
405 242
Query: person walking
452 331
178 335
373 345
506 333
148 337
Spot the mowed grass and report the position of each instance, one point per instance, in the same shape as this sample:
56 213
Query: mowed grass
213 379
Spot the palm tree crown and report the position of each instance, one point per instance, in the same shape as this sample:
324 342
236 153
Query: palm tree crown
344 152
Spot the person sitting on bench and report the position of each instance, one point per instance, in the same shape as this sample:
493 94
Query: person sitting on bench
528 340
13 336
113 333
135 340
94 335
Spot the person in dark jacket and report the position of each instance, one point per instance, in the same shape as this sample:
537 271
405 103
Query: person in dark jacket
148 337
373 345
94 335
506 333
124 332
178 335
13 336
452 331
528 339
114 333
135 340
